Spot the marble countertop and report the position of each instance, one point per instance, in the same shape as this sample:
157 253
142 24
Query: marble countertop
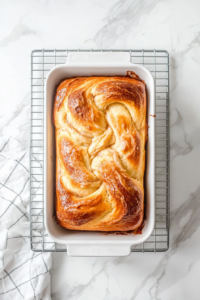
171 25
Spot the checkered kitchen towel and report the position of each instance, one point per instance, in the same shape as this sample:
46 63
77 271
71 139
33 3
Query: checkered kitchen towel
23 274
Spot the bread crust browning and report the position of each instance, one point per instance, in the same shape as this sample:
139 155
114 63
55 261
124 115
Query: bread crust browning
101 130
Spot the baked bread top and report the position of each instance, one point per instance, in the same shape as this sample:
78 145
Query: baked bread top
100 126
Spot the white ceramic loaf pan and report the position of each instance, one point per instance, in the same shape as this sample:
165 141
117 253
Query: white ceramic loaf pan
82 243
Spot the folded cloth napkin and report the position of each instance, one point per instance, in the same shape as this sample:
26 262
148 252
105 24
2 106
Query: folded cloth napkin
24 274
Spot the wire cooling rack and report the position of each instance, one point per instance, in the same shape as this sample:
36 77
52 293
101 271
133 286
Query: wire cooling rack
42 61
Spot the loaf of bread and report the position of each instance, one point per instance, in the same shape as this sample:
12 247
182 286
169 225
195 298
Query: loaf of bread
100 129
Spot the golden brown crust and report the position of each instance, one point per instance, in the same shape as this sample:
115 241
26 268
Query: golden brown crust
100 152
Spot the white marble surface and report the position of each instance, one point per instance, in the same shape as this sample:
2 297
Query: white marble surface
173 25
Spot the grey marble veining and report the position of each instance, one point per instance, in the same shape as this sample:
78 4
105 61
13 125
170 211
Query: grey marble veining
172 25
120 18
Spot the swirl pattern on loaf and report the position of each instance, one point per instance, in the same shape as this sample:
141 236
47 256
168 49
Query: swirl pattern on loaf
100 125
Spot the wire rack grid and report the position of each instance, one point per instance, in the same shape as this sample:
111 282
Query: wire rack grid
42 61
